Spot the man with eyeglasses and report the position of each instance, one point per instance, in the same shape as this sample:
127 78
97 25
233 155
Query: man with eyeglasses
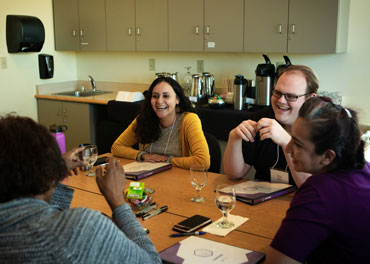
261 141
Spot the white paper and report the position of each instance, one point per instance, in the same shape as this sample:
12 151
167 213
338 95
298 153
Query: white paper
252 187
124 96
279 176
215 230
199 250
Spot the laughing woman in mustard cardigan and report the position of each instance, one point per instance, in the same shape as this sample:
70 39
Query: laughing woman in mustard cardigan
166 129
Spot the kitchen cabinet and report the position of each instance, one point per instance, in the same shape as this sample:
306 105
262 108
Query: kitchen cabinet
120 25
296 26
186 25
78 117
223 25
79 24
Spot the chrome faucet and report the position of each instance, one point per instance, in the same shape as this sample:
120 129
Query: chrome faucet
93 83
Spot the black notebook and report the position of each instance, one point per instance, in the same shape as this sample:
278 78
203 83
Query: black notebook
199 250
139 170
255 192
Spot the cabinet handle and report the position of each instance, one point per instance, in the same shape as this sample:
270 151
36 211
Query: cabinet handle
196 30
280 28
138 31
81 33
208 30
293 28
130 31
74 33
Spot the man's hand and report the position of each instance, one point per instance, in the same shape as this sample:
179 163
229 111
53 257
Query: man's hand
111 183
246 130
72 162
154 157
270 128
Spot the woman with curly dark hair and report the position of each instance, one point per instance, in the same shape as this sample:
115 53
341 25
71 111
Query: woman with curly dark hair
166 129
328 219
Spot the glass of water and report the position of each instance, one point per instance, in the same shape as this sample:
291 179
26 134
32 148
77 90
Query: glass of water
198 178
225 201
90 155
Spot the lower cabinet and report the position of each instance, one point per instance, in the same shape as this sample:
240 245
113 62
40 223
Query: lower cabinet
78 117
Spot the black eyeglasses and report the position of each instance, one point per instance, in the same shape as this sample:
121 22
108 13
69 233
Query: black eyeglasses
288 97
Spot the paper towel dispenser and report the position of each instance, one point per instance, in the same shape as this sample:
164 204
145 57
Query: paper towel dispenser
24 34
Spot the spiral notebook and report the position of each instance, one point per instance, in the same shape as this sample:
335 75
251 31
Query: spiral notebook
139 170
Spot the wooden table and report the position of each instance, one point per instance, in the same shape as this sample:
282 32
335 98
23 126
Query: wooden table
173 188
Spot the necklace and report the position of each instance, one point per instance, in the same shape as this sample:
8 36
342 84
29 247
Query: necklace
168 140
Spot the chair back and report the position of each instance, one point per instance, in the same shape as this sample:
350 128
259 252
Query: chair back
214 152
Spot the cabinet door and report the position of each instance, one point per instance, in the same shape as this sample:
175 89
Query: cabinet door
66 28
120 24
265 25
312 26
151 25
49 112
77 119
223 25
185 25
92 24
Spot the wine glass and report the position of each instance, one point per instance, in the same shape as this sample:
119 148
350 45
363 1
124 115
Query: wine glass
198 178
90 155
225 201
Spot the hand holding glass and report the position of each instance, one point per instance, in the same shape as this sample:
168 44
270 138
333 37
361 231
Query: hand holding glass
198 178
90 155
225 201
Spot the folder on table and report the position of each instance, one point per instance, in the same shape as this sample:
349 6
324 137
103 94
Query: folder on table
199 250
255 192
138 170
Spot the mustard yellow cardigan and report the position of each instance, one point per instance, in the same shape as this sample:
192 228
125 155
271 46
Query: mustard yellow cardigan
193 143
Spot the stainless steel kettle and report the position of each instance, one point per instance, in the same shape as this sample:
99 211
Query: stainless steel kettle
209 84
265 75
197 94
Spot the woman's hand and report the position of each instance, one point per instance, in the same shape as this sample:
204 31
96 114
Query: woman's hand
72 161
154 157
111 183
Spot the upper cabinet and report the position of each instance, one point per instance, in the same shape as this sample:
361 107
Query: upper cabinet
223 25
185 25
296 26
151 25
120 25
79 24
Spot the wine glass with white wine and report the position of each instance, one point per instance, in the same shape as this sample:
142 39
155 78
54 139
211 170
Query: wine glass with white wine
90 155
198 178
225 201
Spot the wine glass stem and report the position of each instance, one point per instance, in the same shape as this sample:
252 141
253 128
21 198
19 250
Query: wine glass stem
198 193
225 217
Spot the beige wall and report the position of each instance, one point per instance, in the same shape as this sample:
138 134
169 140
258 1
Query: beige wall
18 81
347 73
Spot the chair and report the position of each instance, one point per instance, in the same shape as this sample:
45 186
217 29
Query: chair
214 152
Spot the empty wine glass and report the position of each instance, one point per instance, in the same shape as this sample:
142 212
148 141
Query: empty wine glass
198 178
90 155
225 201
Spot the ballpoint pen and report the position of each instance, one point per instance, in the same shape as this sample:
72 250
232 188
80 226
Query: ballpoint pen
188 234
158 211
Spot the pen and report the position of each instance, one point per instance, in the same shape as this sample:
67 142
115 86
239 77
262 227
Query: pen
156 212
188 234
146 209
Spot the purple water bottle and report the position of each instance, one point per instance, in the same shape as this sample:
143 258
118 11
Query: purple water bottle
57 132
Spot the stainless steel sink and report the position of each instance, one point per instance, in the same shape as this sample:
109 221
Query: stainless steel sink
82 94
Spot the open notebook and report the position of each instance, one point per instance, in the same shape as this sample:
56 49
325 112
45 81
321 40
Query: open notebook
254 192
139 170
199 250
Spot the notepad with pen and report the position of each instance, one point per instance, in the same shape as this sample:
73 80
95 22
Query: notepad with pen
255 192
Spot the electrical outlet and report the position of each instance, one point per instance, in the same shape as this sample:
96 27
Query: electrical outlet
151 64
3 63
200 66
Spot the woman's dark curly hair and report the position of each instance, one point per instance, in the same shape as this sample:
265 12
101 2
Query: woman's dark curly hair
334 127
30 159
148 130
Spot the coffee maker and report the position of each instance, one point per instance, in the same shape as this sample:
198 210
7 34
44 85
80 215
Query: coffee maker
265 76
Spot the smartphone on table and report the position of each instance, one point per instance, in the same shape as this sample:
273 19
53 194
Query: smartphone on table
101 161
192 223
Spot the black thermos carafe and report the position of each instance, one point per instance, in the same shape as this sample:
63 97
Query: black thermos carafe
265 75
